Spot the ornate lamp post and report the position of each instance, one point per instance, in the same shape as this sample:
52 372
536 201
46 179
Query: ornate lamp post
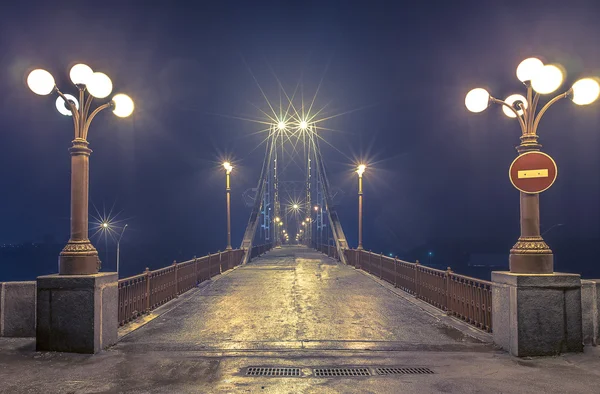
228 168
360 171
531 254
79 257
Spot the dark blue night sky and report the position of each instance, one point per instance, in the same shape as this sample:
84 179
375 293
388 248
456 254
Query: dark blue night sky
438 173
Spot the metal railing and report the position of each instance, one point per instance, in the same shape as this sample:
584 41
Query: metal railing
141 293
466 298
329 250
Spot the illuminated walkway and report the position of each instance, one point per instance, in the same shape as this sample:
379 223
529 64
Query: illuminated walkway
294 308
296 298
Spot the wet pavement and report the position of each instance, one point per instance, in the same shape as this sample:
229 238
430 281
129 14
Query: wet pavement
294 307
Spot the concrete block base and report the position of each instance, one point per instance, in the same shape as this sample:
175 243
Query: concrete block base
590 290
537 315
77 313
17 309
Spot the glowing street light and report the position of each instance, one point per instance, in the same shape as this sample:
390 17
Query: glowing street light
531 254
277 219
281 125
316 208
228 168
303 125
79 256
295 206
360 170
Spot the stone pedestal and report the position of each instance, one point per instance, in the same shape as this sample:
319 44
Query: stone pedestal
77 313
537 314
17 309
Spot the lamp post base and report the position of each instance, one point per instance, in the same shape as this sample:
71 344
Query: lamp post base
77 313
537 315
531 255
78 258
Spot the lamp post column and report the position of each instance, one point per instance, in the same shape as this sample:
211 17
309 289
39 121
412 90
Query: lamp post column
360 212
530 254
228 192
79 257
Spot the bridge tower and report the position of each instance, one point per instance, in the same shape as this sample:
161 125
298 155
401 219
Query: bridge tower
267 207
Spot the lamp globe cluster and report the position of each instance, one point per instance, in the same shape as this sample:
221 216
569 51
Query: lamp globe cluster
543 79
97 84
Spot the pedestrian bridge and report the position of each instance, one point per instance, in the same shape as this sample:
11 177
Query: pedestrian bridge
297 298
338 329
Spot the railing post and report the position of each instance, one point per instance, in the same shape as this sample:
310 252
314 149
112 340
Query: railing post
417 279
396 271
220 272
448 299
176 279
380 265
195 271
147 273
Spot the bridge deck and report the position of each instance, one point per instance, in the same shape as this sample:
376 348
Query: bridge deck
294 298
292 308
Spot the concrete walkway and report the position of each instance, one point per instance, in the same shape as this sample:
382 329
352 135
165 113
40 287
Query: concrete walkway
295 308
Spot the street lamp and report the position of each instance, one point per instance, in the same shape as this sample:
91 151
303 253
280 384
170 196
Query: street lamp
360 170
228 168
79 257
119 248
531 254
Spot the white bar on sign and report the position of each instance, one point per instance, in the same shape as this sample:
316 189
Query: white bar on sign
542 173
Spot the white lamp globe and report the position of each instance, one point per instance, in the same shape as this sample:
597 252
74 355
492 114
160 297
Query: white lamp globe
528 69
585 91
40 82
80 74
99 85
61 105
477 100
281 125
123 105
303 125
510 100
548 79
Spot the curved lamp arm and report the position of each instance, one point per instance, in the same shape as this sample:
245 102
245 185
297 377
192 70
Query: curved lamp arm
122 231
532 110
88 104
545 108
519 118
92 115
74 112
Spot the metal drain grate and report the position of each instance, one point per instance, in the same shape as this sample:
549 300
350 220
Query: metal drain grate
403 371
267 371
326 372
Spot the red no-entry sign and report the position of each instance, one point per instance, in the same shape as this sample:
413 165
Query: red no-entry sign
533 172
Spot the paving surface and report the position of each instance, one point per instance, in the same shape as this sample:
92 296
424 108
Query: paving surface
294 308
